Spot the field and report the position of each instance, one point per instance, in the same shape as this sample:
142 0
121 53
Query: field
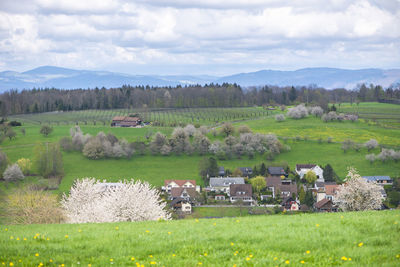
157 168
353 239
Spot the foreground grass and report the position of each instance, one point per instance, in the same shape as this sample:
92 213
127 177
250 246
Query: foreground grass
363 238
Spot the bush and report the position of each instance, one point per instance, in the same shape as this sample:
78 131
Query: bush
66 144
93 149
12 173
46 130
92 201
317 111
26 206
189 130
371 144
244 129
297 112
227 129
25 165
279 117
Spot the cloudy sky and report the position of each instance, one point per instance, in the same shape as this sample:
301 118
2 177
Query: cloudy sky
199 37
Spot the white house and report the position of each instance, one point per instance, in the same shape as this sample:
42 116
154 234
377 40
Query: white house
223 184
302 169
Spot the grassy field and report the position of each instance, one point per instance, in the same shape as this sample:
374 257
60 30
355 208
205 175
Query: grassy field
351 239
157 168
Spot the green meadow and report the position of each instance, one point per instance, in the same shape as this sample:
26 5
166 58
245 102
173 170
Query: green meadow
335 239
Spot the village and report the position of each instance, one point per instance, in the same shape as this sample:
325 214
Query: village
278 191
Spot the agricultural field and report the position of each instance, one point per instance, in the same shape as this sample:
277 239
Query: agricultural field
164 117
351 239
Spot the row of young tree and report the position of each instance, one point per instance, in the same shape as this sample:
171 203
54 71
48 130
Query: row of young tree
188 140
213 95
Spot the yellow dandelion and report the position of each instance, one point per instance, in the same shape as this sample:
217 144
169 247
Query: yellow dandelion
19 260
200 263
287 261
317 225
308 252
344 258
153 262
89 265
197 220
50 260
302 262
37 254
17 238
24 238
137 264
349 259
147 231
360 244
34 237
232 244
214 224
132 258
11 237
251 255
48 239
398 256
169 233
341 217
66 236
6 229
205 254
80 231
62 265
150 256
234 265
116 228
237 221
173 255
11 264
275 258
234 254
111 260
247 258
41 264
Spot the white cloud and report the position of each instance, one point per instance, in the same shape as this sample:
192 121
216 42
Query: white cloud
199 36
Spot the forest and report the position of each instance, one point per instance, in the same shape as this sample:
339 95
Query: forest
213 95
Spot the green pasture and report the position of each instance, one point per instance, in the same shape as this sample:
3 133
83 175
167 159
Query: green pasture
348 239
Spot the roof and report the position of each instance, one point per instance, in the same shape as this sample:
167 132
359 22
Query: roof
234 188
320 184
176 201
179 182
304 166
246 170
126 118
322 203
177 192
273 181
330 189
225 182
276 182
376 178
276 171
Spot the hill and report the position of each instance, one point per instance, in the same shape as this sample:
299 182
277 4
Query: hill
63 78
355 239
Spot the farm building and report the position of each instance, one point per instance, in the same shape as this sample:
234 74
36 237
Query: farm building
126 121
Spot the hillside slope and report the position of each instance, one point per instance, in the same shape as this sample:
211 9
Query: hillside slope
357 239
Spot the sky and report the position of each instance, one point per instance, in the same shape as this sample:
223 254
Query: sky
199 37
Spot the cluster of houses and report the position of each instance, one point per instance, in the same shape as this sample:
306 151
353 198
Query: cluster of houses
183 194
126 121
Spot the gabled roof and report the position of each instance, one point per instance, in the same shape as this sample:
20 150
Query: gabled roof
330 189
276 171
126 118
246 170
322 203
304 166
225 182
276 183
376 178
179 182
235 188
177 192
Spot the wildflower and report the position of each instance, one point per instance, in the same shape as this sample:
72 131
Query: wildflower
147 231
344 258
287 261
11 237
48 239
341 217
6 229
275 258
62 265
40 264
247 259
11 264
17 238
173 255
89 265
205 254
80 231
349 259
132 258
308 252
137 264
19 260
302 262
66 236
200 263
37 254
116 228
237 221
197 220
317 225
111 260
169 233
234 265
360 244
232 244
24 238
214 224
251 255
150 256
153 262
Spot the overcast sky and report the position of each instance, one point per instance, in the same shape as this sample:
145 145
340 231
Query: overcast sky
199 37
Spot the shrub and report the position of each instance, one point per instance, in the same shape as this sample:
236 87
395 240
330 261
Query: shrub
93 149
12 173
46 130
244 129
159 140
26 206
317 111
25 165
66 144
189 130
279 117
227 129
92 201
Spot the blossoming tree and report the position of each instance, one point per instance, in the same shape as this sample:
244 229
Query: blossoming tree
357 194
93 201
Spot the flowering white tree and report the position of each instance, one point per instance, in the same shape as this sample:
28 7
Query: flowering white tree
13 172
297 112
317 111
358 194
371 144
93 201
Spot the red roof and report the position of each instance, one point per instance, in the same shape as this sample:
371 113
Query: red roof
322 203
331 189
179 182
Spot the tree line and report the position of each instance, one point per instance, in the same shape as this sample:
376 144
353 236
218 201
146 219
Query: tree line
212 95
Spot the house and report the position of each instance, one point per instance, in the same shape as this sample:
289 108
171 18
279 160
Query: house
246 171
302 169
277 171
222 184
325 205
126 121
330 191
179 204
221 171
186 207
381 180
287 188
241 192
169 184
188 194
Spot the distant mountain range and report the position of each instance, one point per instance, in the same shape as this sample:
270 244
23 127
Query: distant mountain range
49 76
